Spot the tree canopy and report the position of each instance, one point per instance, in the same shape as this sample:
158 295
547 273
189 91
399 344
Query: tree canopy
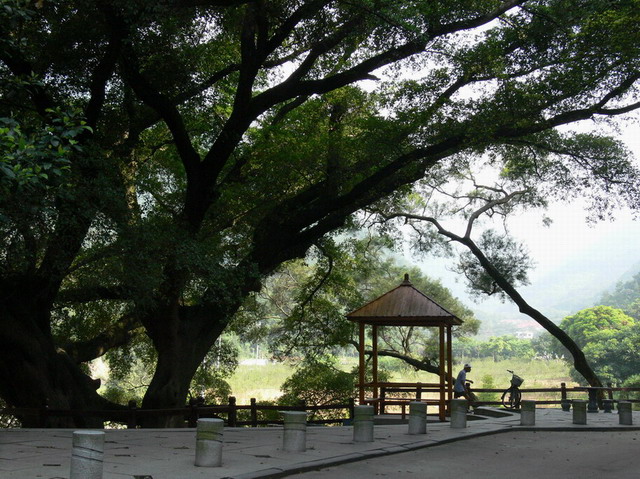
198 145
586 325
609 339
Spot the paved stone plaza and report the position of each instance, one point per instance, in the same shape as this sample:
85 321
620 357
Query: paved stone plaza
254 453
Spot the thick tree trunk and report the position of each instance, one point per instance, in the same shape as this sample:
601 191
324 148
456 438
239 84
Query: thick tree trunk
34 374
183 341
169 387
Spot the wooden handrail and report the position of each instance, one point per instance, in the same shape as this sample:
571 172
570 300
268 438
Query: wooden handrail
390 384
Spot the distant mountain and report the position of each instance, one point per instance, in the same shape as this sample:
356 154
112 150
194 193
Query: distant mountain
581 282
558 289
577 284
629 274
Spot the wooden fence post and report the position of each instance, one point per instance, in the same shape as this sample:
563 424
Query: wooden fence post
254 413
563 391
383 394
610 392
352 403
131 417
233 412
193 413
44 414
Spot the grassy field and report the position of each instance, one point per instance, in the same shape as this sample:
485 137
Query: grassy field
263 382
260 382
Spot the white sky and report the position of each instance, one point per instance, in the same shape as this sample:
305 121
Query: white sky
569 235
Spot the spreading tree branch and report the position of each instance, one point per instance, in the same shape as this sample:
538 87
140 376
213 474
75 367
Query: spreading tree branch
117 335
580 361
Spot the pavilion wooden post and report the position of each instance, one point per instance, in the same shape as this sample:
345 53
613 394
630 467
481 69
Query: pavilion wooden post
443 369
449 378
374 365
361 371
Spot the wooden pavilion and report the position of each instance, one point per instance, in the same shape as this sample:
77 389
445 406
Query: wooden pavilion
405 306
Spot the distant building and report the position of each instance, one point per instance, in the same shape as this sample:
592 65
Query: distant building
524 335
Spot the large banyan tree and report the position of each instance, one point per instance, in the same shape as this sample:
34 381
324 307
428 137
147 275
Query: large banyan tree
161 158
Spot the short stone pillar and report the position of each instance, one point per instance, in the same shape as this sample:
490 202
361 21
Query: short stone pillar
459 413
527 413
87 455
579 411
417 417
209 442
625 415
363 423
295 431
607 405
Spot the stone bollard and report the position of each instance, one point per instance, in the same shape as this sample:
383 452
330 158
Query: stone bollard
417 417
565 404
579 411
625 415
527 413
459 413
209 442
607 405
87 455
295 431
363 424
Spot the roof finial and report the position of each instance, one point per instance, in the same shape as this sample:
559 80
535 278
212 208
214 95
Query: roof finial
406 279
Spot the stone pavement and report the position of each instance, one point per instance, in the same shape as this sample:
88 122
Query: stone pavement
257 452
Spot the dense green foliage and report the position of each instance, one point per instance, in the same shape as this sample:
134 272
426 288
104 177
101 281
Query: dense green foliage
609 338
318 383
33 160
498 348
585 326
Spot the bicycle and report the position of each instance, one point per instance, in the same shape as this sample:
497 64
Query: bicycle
511 397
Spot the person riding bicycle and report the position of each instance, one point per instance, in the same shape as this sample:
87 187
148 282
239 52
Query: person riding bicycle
460 387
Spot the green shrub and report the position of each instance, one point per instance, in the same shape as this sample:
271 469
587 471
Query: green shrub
488 383
270 415
318 382
632 382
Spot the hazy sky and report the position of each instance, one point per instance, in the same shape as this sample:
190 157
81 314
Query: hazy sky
571 236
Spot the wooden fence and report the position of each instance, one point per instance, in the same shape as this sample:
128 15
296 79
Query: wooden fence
255 414
232 413
396 399
616 394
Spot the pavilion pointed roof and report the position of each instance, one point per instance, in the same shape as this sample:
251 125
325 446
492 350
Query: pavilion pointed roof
404 306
